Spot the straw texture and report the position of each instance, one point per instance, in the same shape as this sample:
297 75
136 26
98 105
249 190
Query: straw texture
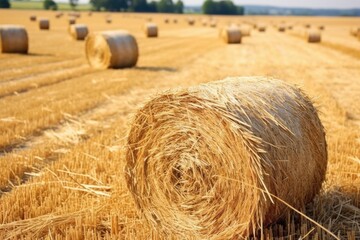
79 31
111 49
13 39
44 24
231 35
245 30
151 30
314 36
203 162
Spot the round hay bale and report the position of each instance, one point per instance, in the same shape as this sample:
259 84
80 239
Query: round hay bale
245 30
90 13
321 27
213 24
314 36
205 162
108 20
59 15
231 35
33 18
191 21
204 22
166 20
261 27
13 39
44 24
175 21
355 31
111 49
71 20
79 31
307 25
281 28
290 27
151 30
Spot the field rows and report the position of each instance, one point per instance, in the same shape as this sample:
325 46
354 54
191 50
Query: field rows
63 125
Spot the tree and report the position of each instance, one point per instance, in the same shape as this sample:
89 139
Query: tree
50 5
5 4
165 6
139 6
224 7
152 6
98 4
179 7
73 3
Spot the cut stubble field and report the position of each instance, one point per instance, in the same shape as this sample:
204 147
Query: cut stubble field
63 125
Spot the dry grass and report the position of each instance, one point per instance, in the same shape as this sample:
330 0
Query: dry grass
69 122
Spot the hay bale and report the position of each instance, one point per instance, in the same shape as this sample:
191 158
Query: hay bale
231 35
166 20
281 28
13 39
314 36
245 30
355 31
307 25
175 21
321 27
213 24
204 22
108 20
261 27
72 20
44 24
290 27
191 21
59 15
33 18
79 31
111 49
151 30
205 162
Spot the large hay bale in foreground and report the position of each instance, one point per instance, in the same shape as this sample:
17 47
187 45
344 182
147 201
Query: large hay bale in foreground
314 36
79 31
111 49
13 39
151 30
231 35
44 24
203 163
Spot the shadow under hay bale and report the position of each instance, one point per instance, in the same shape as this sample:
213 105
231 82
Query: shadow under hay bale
111 49
207 162
13 39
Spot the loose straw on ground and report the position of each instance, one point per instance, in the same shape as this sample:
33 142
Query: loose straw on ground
207 161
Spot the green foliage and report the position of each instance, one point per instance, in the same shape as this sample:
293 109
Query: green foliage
179 7
4 4
224 7
165 6
73 3
50 5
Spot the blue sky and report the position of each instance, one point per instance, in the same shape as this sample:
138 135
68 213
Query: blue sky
293 3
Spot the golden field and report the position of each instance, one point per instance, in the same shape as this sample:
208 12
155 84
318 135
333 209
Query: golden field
63 125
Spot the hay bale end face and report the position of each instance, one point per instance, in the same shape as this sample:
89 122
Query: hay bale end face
151 30
314 36
204 162
44 24
111 49
79 31
33 18
231 35
13 39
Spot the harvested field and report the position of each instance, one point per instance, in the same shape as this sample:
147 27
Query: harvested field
64 124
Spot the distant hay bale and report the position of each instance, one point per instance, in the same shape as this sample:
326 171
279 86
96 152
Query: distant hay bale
355 31
13 39
151 30
245 30
289 27
207 161
111 49
166 20
281 28
71 20
108 20
90 13
261 27
321 27
175 20
204 22
44 24
314 36
231 35
307 25
59 15
33 18
213 24
191 21
79 31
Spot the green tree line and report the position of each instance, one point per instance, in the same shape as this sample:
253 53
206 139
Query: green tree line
225 7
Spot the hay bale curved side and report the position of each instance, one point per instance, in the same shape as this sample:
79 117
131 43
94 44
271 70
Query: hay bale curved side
231 35
151 30
44 24
111 49
314 36
79 31
203 162
13 39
